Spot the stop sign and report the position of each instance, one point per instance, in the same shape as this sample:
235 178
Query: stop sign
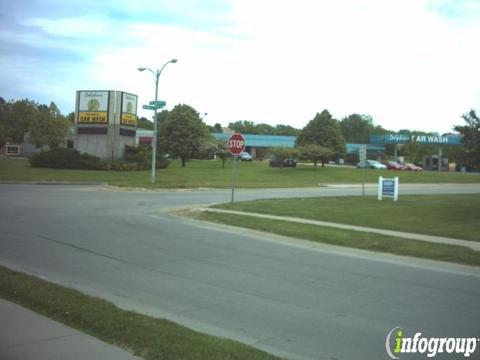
236 143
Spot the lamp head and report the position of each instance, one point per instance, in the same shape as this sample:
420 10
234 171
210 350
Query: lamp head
141 69
173 61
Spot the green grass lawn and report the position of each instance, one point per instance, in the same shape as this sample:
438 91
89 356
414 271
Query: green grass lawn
147 337
456 216
209 174
348 238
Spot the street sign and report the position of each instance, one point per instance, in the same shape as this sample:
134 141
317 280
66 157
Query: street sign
236 144
155 105
362 155
159 104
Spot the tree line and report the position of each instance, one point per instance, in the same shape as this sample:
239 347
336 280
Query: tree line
183 134
45 123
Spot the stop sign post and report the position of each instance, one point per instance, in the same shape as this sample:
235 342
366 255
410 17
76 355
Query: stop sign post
236 145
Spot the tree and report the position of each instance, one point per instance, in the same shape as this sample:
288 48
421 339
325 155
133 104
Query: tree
264 129
182 133
357 128
314 153
286 130
48 127
471 138
282 153
144 123
161 117
244 126
221 151
323 130
16 119
217 128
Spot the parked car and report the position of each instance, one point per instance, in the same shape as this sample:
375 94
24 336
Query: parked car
392 165
412 167
275 162
245 156
373 164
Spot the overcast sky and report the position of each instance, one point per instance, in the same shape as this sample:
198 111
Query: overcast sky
411 64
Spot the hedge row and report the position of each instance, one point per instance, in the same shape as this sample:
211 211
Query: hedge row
72 159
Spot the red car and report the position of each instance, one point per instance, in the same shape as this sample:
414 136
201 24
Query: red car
392 165
412 167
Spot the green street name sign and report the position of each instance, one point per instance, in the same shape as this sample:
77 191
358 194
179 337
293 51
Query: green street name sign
159 104
148 107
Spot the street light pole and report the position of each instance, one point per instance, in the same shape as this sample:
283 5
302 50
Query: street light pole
156 74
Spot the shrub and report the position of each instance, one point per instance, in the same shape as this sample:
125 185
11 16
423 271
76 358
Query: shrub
142 156
61 158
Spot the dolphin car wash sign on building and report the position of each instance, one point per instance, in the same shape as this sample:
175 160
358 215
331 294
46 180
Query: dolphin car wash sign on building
420 139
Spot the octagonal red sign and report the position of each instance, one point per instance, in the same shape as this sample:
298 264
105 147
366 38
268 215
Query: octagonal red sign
236 144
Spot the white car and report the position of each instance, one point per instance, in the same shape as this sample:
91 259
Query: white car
245 156
373 164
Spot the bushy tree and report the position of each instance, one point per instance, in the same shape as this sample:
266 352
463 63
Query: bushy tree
357 128
48 127
182 133
471 138
314 153
282 153
144 123
15 118
286 130
244 127
323 130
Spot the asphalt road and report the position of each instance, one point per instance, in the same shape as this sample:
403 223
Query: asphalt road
288 297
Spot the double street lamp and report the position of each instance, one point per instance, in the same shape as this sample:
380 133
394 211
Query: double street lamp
156 74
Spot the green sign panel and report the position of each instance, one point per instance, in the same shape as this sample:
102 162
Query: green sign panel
159 104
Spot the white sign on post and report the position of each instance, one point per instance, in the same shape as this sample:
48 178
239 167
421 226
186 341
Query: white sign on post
388 188
362 155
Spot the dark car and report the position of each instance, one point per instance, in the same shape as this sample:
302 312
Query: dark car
275 162
392 165
412 167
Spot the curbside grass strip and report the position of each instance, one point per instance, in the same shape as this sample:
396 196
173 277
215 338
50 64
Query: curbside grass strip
147 337
348 238
396 234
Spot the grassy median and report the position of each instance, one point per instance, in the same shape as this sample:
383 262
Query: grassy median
210 174
145 336
349 238
456 216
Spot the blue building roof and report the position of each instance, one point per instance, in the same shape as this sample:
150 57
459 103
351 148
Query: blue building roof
289 142
262 140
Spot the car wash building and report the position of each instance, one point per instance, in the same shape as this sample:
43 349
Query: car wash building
429 162
105 121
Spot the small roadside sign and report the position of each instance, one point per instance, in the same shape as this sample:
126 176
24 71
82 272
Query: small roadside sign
148 107
362 155
388 187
